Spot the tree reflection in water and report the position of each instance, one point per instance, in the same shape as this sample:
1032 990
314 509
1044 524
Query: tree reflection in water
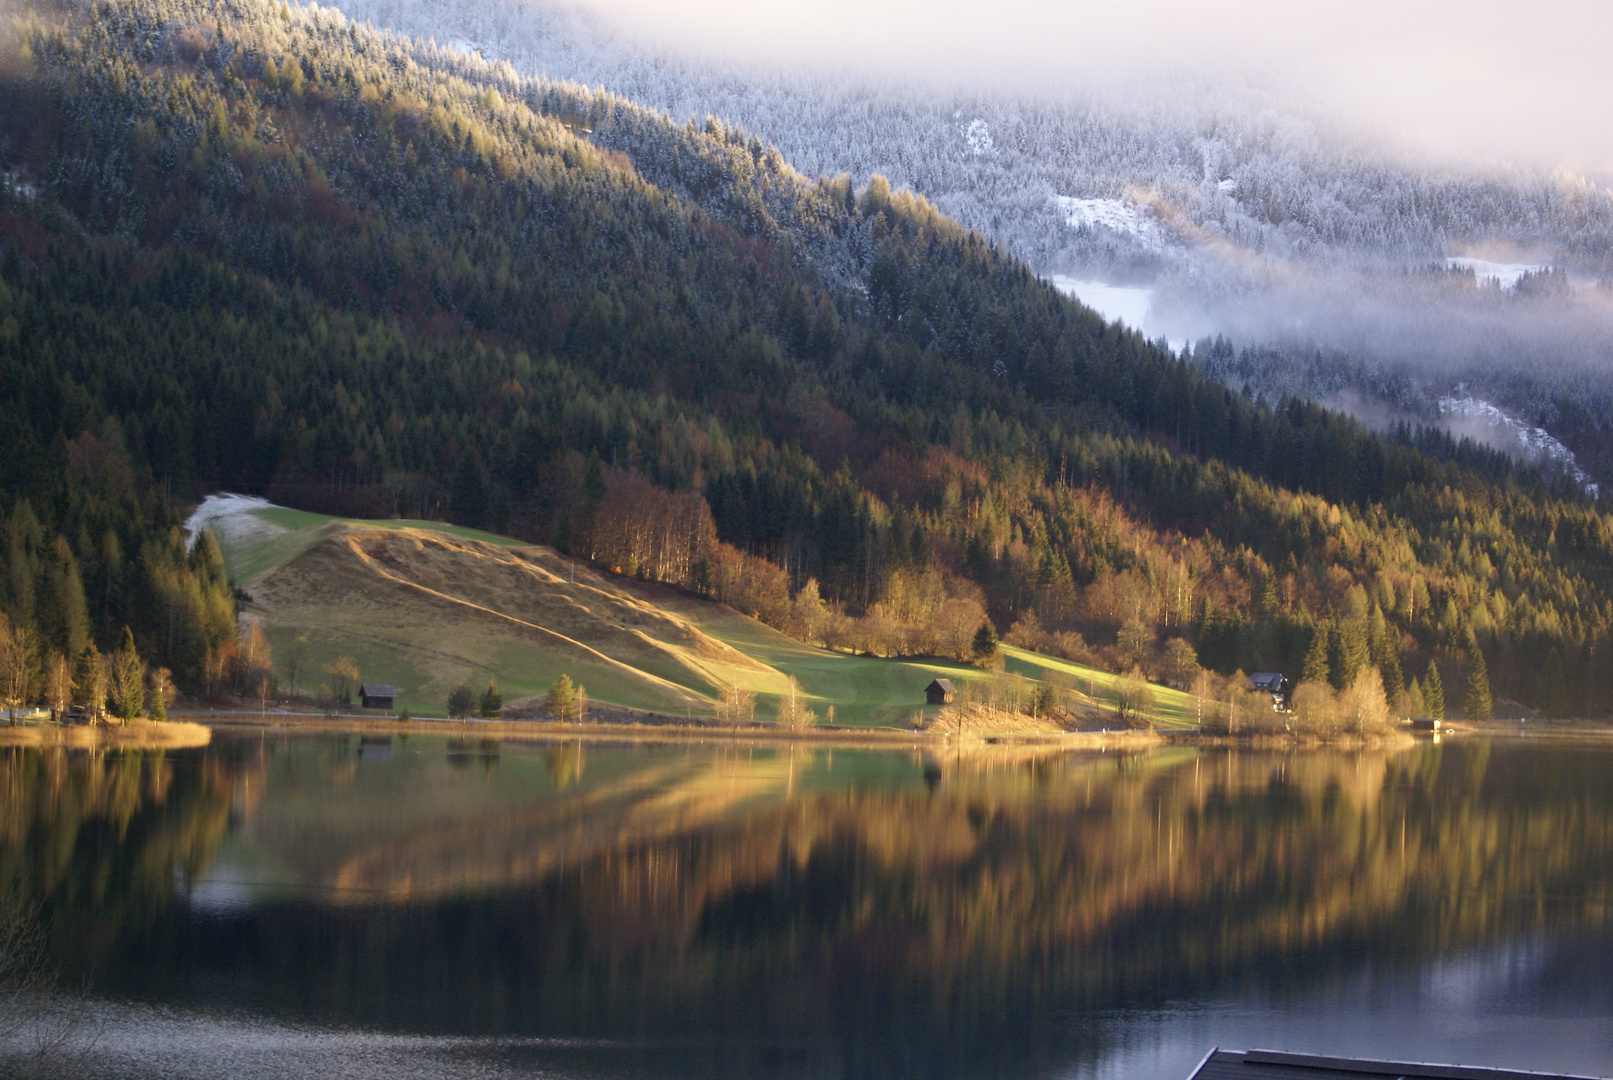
894 915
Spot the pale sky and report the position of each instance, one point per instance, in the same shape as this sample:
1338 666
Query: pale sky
1494 79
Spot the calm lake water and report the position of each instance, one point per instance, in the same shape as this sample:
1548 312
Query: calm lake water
417 906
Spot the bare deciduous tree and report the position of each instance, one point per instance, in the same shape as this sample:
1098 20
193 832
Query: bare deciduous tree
343 674
1181 663
738 704
1134 699
160 693
89 680
793 715
58 686
19 667
954 626
566 701
38 1036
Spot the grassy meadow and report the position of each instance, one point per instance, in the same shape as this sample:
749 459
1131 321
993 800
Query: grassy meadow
424 606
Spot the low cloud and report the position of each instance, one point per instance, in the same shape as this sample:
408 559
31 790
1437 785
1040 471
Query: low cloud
1484 80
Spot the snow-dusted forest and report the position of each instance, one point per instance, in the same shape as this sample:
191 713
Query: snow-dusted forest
1336 269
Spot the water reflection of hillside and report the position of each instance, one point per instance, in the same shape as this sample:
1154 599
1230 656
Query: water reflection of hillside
941 916
97 838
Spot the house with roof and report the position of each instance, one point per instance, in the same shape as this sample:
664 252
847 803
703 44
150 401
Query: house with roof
1274 683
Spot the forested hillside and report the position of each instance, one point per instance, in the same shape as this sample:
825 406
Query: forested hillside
1322 255
257 247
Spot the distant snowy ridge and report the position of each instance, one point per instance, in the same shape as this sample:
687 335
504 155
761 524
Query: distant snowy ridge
1536 442
1506 275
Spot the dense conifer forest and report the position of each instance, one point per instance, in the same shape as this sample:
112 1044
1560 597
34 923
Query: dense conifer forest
256 247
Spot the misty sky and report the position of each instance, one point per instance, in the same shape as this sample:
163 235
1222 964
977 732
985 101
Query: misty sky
1491 79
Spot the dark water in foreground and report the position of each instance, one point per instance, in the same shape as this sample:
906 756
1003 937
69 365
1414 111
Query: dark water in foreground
420 907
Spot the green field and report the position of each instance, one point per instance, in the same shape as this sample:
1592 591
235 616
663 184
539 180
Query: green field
524 615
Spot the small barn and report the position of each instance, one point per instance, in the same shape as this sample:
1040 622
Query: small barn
940 692
377 696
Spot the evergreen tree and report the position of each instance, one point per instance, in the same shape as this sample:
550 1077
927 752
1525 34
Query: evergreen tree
984 646
1600 681
1350 652
1394 679
64 615
1266 603
1315 667
1385 646
561 702
207 560
1433 693
1414 703
1555 691
470 492
461 702
127 680
159 691
492 705
1476 702
18 588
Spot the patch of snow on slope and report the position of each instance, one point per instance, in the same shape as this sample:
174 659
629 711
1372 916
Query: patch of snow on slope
1116 214
1536 442
1128 304
1506 275
979 135
230 517
15 181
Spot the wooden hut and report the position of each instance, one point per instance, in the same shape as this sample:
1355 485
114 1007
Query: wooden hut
377 696
940 692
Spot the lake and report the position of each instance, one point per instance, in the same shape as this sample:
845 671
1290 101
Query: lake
335 906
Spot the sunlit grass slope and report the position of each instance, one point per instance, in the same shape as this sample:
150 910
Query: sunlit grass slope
1172 708
425 606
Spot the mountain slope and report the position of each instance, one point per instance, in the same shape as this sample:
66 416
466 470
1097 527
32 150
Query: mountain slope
1228 212
265 249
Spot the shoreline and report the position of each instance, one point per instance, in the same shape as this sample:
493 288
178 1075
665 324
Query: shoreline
678 732
1534 728
554 731
141 735
192 729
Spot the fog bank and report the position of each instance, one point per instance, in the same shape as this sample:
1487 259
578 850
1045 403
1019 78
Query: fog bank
1484 80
